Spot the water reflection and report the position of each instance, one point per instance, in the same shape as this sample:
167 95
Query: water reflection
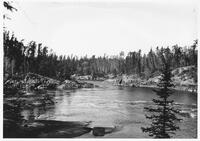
37 103
69 98
88 104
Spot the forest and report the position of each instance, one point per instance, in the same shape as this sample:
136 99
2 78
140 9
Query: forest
20 58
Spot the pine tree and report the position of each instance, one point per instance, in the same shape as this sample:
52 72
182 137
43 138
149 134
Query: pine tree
163 114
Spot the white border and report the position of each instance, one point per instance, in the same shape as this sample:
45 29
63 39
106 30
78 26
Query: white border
1 66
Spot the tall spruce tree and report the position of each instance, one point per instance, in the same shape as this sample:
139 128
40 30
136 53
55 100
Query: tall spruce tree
163 114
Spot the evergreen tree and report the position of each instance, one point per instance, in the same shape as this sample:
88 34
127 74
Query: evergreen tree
163 115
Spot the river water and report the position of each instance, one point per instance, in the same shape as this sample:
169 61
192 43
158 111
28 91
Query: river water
111 106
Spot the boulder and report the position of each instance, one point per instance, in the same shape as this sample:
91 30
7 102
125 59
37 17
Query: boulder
87 85
69 84
98 131
46 129
101 131
36 81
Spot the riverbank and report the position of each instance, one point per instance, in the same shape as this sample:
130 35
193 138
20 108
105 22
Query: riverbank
108 107
45 129
17 125
182 79
22 92
32 82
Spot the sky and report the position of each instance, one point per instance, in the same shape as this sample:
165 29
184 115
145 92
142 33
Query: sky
104 27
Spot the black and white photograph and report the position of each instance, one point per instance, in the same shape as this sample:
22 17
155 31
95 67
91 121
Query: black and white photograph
100 69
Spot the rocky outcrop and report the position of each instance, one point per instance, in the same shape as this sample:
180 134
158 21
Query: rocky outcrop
12 85
87 77
73 84
128 80
183 79
81 77
47 129
36 81
30 81
68 84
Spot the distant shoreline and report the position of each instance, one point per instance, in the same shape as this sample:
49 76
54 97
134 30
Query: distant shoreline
180 88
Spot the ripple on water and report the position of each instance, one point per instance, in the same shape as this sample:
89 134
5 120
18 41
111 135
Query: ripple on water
110 106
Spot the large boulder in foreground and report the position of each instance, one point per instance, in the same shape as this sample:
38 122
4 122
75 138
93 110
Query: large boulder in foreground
50 129
98 131
101 131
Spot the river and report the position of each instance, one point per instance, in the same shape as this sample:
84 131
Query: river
111 106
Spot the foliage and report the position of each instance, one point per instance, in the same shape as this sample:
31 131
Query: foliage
33 57
163 114
8 6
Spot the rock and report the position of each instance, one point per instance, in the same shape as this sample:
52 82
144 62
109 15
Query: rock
110 129
41 87
62 86
69 84
87 85
110 76
83 77
34 125
36 81
46 129
37 103
98 131
132 85
65 132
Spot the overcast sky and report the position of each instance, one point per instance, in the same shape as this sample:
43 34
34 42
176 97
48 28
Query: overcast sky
109 27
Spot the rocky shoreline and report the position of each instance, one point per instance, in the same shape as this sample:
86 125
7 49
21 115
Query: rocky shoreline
32 81
182 78
16 126
192 89
17 97
178 88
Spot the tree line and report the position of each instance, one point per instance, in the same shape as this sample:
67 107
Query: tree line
33 57
36 58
